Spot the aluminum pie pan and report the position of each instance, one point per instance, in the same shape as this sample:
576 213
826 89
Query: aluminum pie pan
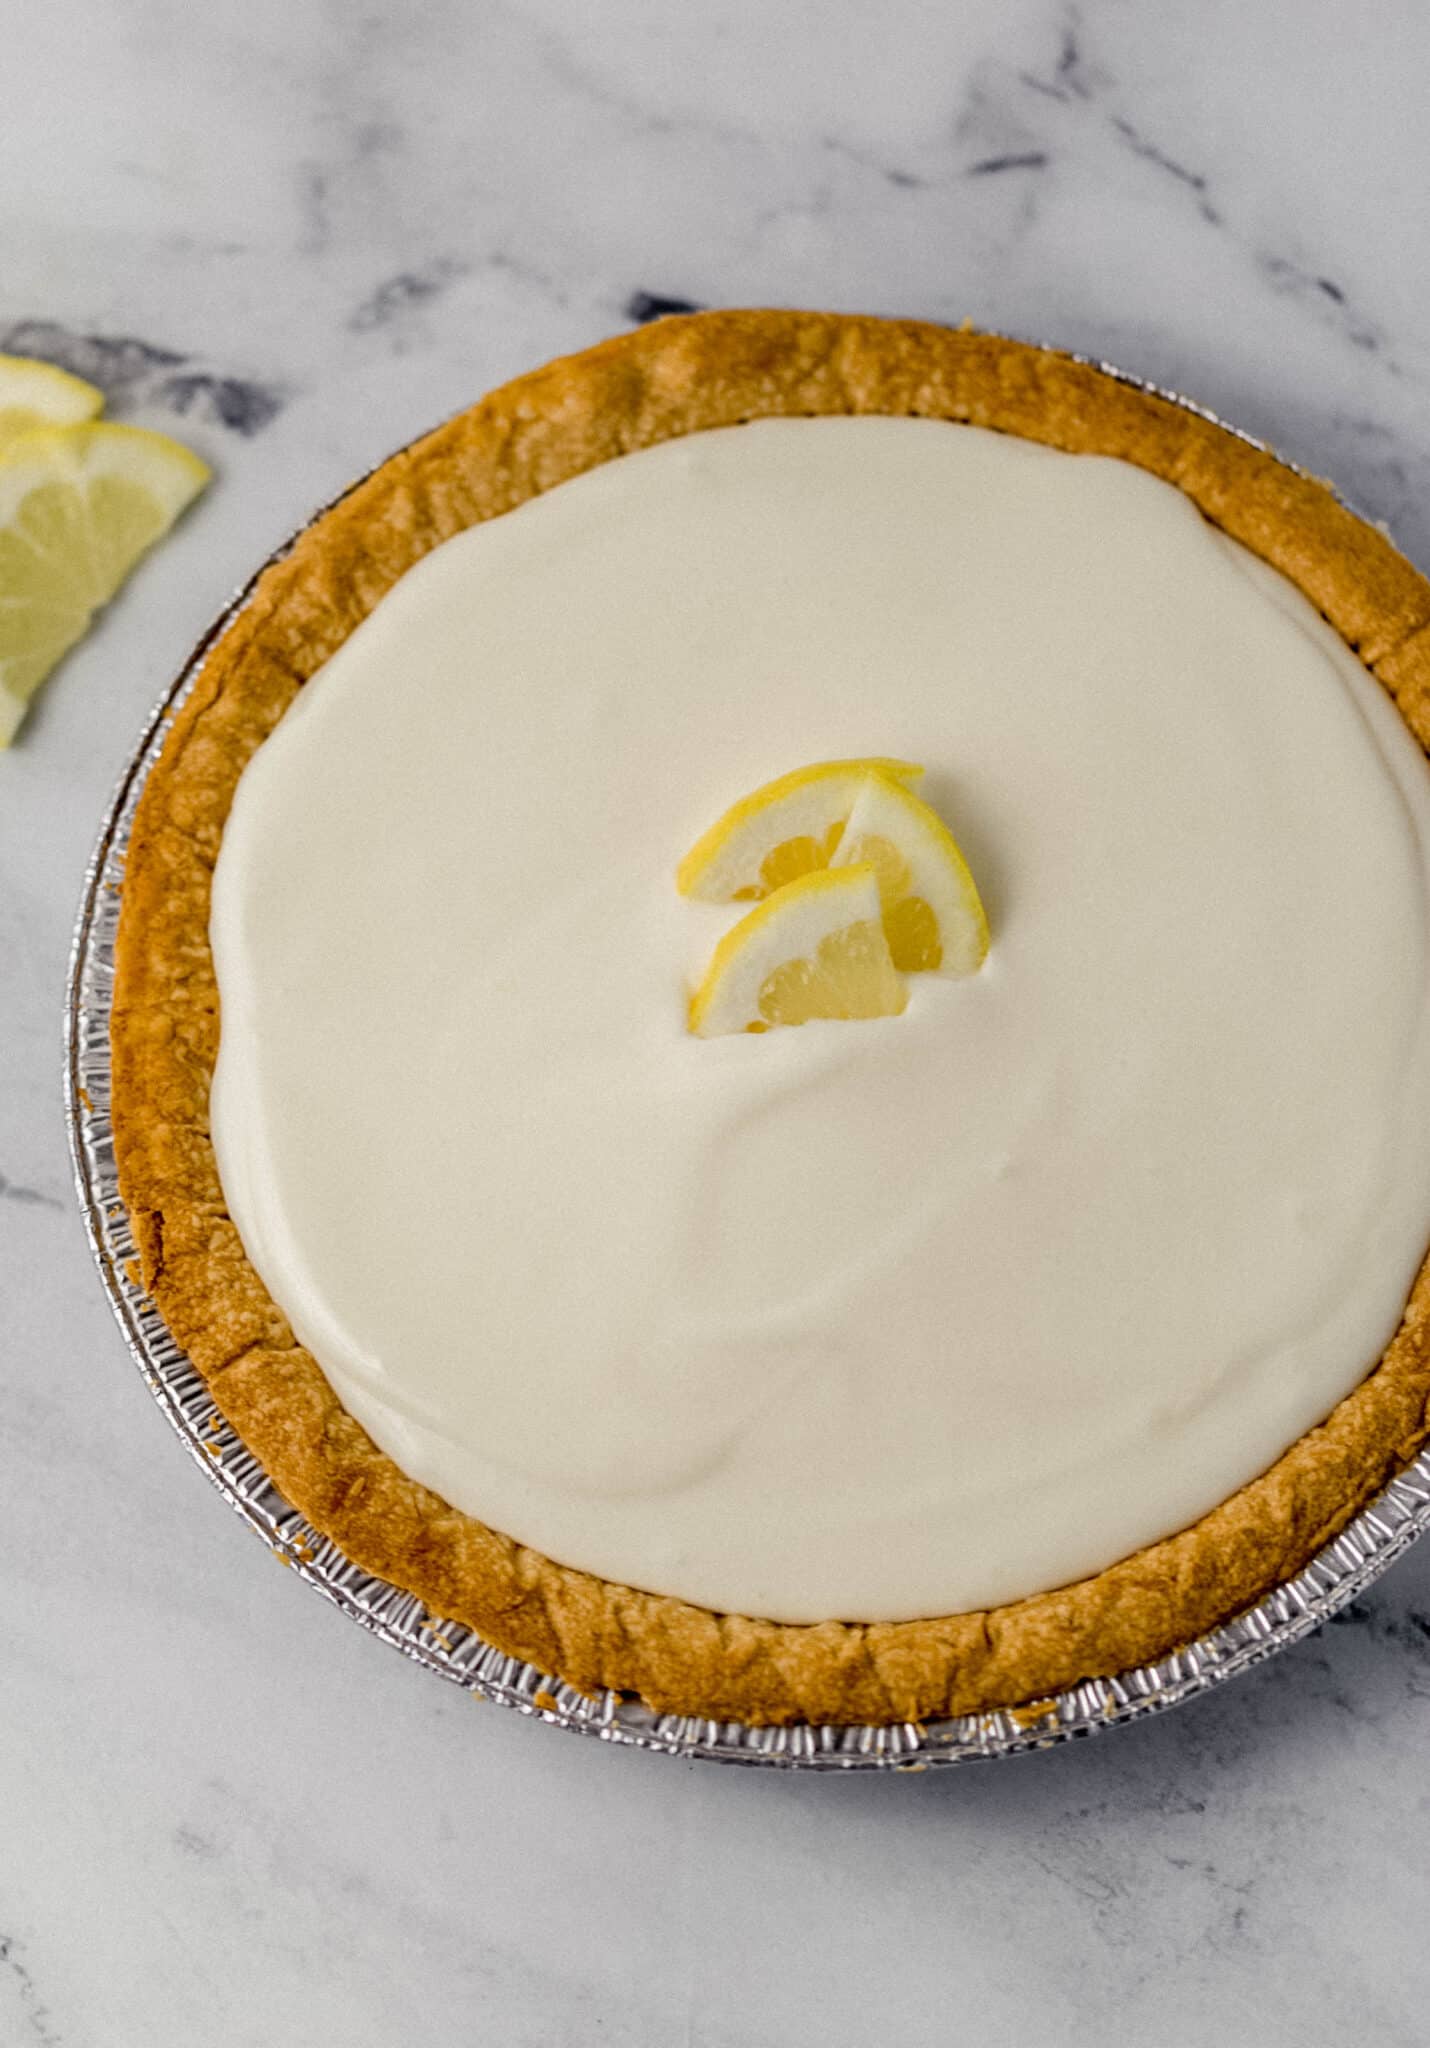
1335 1575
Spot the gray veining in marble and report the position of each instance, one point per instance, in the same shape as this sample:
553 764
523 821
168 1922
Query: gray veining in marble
297 232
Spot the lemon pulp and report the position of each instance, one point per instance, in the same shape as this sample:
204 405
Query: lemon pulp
79 506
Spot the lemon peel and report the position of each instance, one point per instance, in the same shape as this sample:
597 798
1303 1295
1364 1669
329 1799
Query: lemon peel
784 829
35 395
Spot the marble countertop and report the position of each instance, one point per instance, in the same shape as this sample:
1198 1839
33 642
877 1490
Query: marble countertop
296 233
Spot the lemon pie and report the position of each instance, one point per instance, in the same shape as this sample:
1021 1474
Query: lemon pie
1037 1302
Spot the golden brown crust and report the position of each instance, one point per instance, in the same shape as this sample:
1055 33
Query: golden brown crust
675 378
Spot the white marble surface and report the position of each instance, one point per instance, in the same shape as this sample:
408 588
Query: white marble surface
302 231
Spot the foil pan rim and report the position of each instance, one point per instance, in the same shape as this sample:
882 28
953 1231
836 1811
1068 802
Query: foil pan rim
1370 1543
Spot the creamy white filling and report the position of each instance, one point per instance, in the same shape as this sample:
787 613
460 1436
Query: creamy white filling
865 1320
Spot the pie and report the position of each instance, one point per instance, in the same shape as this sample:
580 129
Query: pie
864 1372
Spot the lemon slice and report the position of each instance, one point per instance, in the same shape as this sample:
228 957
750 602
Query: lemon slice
932 912
38 395
788 828
815 948
78 507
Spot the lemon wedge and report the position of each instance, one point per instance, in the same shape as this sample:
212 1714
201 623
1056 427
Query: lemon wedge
78 507
34 394
815 948
932 913
788 828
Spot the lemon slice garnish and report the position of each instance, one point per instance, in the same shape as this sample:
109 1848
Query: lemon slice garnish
78 507
815 948
932 912
788 828
38 395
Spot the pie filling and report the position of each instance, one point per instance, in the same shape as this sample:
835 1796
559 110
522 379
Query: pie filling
868 1320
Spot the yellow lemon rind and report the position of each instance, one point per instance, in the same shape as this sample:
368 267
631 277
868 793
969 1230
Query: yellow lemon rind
36 394
705 872
76 455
